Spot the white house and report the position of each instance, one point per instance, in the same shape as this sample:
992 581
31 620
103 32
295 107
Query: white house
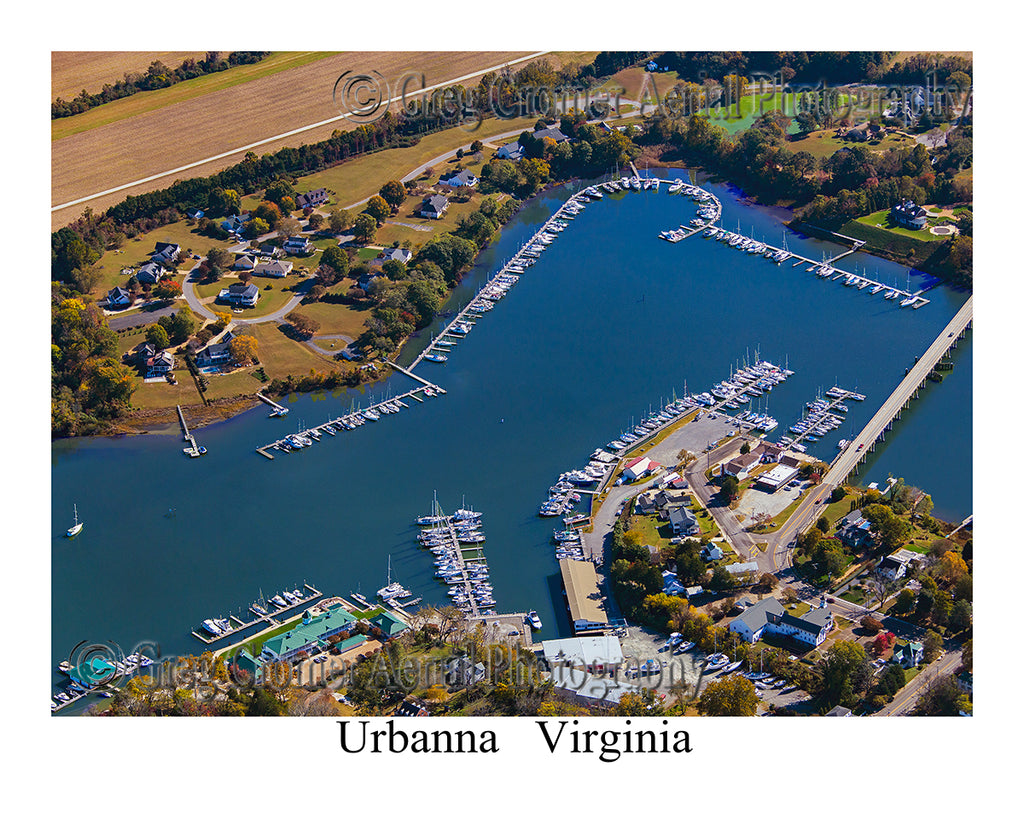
240 295
244 262
459 179
149 273
513 151
160 364
399 254
433 207
275 269
297 245
165 253
313 199
770 617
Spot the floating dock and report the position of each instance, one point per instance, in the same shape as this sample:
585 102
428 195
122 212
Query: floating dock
270 617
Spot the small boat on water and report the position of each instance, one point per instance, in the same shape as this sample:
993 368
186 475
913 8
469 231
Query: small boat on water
534 620
77 527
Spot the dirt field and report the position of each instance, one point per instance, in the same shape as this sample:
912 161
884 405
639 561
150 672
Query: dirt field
225 120
73 71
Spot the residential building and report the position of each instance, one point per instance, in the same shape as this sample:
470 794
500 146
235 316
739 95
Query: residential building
908 654
313 199
907 214
118 297
513 151
275 269
297 245
214 354
854 530
462 671
458 179
159 364
743 572
244 262
240 295
235 224
550 133
840 711
412 707
165 253
712 552
770 617
433 207
149 273
682 521
399 254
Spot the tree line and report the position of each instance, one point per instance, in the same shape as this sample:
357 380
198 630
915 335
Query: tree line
156 76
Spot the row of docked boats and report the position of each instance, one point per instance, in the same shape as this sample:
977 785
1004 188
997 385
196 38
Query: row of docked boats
304 438
862 282
709 210
820 417
748 244
112 670
449 538
568 544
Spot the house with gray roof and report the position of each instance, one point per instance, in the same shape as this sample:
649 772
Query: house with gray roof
433 207
769 616
149 273
313 199
550 133
459 179
118 297
240 295
682 521
513 151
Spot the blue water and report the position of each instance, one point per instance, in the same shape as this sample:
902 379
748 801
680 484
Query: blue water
608 323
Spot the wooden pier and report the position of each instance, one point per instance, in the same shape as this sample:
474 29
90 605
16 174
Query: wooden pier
192 450
270 617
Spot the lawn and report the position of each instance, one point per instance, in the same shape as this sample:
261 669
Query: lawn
652 531
337 319
824 143
362 177
880 219
281 356
147 101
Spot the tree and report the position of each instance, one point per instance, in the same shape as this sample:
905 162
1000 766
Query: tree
378 208
904 602
890 680
364 228
870 624
932 642
745 449
305 326
960 617
729 487
393 193
219 257
315 221
337 260
288 226
942 698
882 643
243 349
734 696
224 202
278 190
339 220
844 673
157 336
255 228
269 212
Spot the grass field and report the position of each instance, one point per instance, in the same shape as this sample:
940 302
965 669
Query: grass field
824 143
71 72
227 119
880 219
147 101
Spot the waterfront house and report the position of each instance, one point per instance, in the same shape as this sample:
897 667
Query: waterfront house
149 273
389 624
297 245
240 295
770 617
313 199
118 297
513 151
275 269
639 467
433 206
159 364
907 214
214 354
854 530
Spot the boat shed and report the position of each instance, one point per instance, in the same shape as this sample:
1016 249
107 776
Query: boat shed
583 593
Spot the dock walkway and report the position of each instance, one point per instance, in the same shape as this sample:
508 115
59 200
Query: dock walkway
270 617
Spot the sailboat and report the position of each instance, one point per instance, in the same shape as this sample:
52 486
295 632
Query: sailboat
74 530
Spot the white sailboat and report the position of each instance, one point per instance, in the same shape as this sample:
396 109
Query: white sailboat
74 530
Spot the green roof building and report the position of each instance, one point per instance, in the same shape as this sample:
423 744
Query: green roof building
389 624
310 636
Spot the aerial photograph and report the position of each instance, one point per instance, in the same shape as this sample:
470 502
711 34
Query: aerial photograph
511 383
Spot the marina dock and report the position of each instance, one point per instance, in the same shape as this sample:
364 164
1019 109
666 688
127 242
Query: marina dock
269 616
455 542
278 410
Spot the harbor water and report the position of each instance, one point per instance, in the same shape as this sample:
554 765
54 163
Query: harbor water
610 322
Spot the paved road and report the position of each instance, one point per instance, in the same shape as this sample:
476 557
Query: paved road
906 698
253 145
